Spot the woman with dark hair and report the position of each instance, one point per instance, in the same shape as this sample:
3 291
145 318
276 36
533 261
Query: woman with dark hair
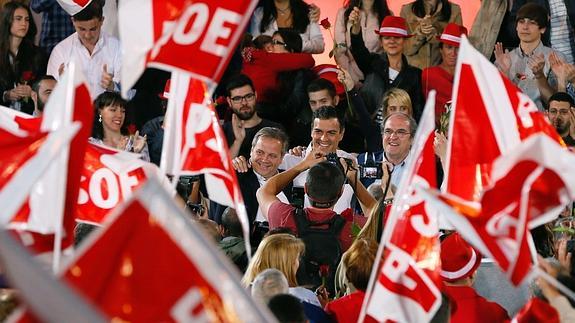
372 13
264 67
294 15
109 127
426 19
21 63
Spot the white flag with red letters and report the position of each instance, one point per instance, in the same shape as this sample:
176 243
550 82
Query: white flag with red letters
150 262
532 183
406 286
160 33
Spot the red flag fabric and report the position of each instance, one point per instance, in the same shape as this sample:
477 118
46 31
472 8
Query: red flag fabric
532 184
195 144
160 32
72 7
109 177
150 263
490 116
406 288
59 186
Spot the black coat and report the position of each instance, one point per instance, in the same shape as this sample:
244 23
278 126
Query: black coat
376 69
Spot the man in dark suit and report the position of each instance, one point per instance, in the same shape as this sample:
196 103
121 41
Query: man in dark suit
268 149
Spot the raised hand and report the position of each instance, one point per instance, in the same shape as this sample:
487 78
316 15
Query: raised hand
240 164
502 58
536 64
314 13
139 142
345 78
354 20
107 81
238 128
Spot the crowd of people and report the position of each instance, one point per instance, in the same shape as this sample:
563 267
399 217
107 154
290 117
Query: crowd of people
319 150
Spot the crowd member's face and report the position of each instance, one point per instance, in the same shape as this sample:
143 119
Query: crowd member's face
395 105
89 30
243 102
396 137
392 45
44 90
326 135
559 116
266 156
279 44
113 118
528 30
449 55
20 23
322 98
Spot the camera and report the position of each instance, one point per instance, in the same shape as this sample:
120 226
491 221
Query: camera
297 197
371 171
184 186
334 159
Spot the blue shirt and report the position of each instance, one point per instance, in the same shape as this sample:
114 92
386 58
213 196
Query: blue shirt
56 23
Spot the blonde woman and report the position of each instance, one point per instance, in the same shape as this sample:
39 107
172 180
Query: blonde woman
281 251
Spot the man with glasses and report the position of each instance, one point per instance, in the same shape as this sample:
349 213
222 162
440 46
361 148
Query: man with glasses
245 123
397 134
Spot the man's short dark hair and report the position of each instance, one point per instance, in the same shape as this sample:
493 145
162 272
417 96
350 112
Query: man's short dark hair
561 97
535 12
329 112
36 85
287 309
324 182
321 84
238 81
231 223
93 10
273 133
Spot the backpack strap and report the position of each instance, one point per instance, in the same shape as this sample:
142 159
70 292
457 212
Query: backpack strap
303 224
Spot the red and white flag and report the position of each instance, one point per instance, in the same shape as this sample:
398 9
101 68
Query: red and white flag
195 144
150 263
109 177
406 286
25 157
160 33
59 186
72 7
489 117
532 184
49 299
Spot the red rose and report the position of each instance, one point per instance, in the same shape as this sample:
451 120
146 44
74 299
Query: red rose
27 76
325 23
324 270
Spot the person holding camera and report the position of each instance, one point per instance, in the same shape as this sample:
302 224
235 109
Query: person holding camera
397 134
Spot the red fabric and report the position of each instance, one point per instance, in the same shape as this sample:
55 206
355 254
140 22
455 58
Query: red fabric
470 307
280 215
347 308
263 68
436 78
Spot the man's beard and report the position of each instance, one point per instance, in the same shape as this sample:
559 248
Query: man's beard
245 115
41 105
561 126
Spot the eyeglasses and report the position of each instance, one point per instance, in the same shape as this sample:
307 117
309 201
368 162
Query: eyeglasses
248 97
277 42
400 132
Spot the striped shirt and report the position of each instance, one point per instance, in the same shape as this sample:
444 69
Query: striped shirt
561 35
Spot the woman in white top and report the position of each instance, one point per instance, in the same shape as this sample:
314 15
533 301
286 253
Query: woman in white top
372 13
294 15
109 126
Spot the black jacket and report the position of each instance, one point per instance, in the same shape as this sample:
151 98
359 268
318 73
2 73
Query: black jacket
376 69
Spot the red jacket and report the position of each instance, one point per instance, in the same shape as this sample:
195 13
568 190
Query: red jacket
263 68
470 307
436 78
347 308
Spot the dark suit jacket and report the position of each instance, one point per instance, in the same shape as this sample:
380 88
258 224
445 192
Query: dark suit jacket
249 185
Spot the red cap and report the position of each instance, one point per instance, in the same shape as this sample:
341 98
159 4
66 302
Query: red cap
537 310
166 94
458 259
329 72
393 26
452 34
